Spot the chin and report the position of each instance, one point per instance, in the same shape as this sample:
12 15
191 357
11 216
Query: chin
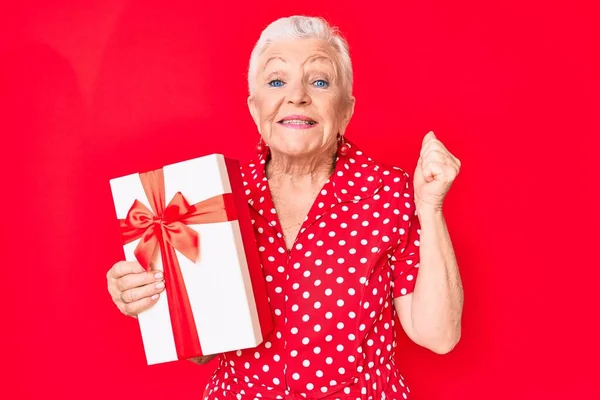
295 143
293 149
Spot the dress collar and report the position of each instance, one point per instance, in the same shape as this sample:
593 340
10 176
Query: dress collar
355 177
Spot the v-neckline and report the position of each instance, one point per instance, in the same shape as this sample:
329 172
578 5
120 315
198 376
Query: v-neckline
338 188
307 220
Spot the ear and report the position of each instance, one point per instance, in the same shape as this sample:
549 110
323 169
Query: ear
253 111
348 113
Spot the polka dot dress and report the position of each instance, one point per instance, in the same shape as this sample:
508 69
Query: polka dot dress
331 293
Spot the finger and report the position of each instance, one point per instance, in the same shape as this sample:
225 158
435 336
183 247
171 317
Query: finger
438 146
437 155
431 170
123 268
139 293
428 138
133 309
138 279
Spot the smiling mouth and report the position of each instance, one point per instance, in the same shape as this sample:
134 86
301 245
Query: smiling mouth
297 122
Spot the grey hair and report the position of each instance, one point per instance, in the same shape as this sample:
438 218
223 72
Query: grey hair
302 27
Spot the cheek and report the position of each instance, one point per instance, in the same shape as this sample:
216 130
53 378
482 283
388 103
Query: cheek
268 108
332 110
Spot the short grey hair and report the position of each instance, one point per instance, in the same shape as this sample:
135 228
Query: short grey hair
303 27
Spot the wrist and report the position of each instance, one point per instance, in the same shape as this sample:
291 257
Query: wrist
428 212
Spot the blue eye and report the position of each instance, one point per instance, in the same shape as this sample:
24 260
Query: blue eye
276 83
320 83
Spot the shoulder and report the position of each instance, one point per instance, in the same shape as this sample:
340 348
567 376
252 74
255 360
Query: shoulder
393 177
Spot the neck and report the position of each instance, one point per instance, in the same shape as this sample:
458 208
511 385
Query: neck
300 171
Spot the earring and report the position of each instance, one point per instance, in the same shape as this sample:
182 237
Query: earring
343 147
260 146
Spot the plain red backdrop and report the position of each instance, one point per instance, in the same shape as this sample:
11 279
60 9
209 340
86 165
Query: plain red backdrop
95 90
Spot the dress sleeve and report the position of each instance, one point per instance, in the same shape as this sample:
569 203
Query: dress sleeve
404 258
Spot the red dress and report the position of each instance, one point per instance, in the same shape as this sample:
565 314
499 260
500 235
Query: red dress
331 293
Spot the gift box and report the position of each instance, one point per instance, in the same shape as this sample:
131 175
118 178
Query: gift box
191 221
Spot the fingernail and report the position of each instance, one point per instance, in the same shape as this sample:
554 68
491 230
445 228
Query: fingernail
154 297
158 275
160 285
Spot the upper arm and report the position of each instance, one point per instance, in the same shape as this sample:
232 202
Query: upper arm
405 257
403 306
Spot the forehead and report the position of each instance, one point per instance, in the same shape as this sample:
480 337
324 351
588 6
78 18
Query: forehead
299 51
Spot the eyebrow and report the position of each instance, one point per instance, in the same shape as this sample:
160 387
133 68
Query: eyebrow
310 60
271 59
319 57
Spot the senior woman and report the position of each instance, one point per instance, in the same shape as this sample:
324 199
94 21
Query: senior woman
342 238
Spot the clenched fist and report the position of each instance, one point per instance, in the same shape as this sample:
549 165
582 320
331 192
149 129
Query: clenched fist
436 170
132 288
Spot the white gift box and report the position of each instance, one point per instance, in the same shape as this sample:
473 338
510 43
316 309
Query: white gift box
225 284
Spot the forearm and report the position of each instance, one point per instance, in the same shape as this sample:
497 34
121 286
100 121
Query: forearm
438 297
202 360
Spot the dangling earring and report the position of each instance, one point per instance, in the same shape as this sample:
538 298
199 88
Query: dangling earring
343 147
260 146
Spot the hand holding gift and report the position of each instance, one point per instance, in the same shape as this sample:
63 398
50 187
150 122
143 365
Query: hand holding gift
132 288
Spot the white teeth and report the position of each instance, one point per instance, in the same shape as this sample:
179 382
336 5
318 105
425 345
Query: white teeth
297 122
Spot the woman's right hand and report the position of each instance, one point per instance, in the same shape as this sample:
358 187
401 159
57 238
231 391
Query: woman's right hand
132 288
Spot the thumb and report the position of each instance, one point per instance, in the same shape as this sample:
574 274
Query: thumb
429 136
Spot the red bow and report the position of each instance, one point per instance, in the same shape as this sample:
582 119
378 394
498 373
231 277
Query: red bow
167 227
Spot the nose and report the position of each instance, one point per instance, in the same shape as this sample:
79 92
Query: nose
298 95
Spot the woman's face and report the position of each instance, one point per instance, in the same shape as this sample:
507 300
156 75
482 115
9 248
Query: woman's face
299 103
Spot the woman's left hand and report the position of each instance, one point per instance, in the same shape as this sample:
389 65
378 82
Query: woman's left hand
436 170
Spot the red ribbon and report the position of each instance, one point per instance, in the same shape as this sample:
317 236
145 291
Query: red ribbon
167 227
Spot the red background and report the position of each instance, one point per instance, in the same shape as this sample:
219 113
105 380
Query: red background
94 90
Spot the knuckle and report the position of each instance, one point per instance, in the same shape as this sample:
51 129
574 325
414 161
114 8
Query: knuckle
118 267
128 309
132 296
120 283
